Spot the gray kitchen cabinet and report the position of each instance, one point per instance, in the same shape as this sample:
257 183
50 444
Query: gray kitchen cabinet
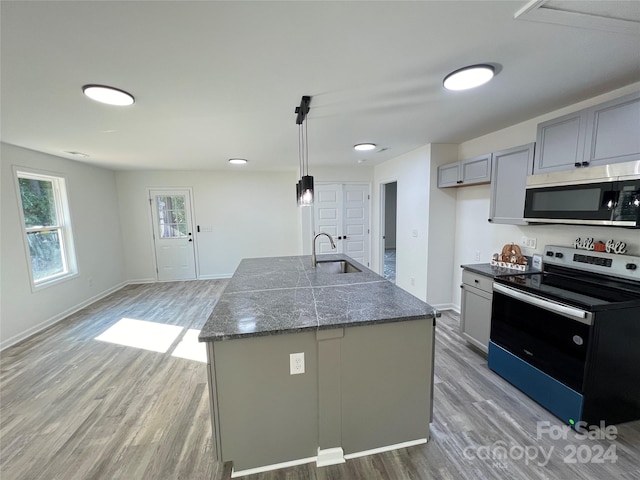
471 171
560 143
508 181
448 175
599 135
475 309
613 133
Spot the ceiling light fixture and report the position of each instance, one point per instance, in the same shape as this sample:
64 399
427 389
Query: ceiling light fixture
469 77
304 187
238 161
108 95
364 147
77 154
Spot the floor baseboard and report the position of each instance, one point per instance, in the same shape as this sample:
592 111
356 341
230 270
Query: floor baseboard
10 342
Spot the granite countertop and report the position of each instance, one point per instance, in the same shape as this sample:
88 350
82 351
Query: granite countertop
489 270
270 296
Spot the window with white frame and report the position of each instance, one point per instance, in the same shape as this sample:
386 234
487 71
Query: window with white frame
47 227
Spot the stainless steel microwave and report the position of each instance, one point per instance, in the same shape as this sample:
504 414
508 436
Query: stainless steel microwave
605 195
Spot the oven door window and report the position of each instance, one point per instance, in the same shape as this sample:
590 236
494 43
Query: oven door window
550 342
593 201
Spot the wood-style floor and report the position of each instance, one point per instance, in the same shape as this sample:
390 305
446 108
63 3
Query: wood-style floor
75 407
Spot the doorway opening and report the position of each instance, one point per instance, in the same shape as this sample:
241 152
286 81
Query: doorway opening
389 209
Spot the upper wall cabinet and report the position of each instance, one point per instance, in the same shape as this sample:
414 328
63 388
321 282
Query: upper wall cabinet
613 131
560 143
603 134
465 172
508 182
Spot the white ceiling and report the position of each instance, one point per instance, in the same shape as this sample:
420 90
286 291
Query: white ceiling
215 80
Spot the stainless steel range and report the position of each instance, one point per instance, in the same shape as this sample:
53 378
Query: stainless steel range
569 336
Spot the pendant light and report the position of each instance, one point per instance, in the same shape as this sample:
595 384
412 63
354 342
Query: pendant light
304 188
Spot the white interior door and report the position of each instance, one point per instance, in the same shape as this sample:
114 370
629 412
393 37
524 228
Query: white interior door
355 232
342 211
327 209
173 234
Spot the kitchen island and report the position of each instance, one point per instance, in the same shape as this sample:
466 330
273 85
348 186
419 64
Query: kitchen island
364 384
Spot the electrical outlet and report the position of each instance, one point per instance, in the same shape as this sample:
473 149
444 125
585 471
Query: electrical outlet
528 242
296 363
413 281
477 255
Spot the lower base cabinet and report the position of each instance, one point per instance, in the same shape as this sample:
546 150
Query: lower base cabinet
475 310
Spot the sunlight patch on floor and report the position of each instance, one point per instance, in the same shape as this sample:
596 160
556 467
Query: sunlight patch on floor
190 348
156 337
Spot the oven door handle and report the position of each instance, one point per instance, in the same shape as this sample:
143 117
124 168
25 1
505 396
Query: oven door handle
570 312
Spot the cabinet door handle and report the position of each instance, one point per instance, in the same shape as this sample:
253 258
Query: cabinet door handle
578 164
477 281
585 164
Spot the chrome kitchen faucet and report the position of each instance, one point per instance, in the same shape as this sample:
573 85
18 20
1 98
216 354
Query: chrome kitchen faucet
314 261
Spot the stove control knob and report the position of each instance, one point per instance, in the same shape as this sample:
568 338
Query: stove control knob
549 254
559 255
631 266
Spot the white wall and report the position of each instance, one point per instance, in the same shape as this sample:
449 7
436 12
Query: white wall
424 227
361 173
251 215
411 172
97 238
474 233
442 231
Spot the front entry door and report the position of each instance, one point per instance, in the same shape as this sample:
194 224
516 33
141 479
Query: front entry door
173 234
342 211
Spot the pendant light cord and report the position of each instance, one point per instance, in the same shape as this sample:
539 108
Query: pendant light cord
306 147
303 149
300 150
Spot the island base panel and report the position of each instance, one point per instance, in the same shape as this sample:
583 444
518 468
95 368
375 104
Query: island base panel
386 376
364 388
266 416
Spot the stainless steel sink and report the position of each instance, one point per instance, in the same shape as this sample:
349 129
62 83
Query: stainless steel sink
336 266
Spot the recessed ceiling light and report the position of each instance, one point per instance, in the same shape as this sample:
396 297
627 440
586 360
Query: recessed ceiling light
77 154
364 147
362 160
469 77
238 161
108 95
